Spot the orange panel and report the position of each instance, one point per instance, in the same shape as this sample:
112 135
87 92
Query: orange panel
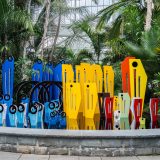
125 75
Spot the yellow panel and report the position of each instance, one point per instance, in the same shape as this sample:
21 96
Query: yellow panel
83 75
142 123
72 124
97 121
97 77
78 73
108 80
86 73
89 124
79 80
90 99
138 79
116 103
73 94
67 76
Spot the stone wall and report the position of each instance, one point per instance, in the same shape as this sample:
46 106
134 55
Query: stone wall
81 143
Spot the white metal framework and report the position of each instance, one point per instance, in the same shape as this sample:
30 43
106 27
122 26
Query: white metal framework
90 6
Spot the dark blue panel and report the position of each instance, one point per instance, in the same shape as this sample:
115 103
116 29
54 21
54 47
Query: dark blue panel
8 76
37 75
48 76
57 77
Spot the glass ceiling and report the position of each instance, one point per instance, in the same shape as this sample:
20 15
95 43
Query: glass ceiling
91 7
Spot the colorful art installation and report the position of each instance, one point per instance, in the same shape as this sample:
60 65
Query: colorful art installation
73 102
154 106
108 113
124 103
116 120
8 76
134 82
136 108
101 101
108 80
61 97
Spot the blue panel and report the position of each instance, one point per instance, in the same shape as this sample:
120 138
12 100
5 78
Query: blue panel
22 113
36 115
48 76
48 72
62 121
33 117
40 115
8 76
7 101
37 75
50 107
54 118
12 116
3 112
57 77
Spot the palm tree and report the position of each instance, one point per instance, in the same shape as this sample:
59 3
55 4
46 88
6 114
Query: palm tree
84 30
58 10
69 56
149 15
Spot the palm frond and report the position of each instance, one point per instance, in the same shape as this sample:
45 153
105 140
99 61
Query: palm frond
149 47
116 27
105 14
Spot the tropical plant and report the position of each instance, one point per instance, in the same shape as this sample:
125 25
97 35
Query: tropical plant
84 30
149 47
58 10
13 23
117 10
145 11
156 84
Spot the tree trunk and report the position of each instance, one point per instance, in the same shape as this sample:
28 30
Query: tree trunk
56 37
24 44
48 7
149 15
28 6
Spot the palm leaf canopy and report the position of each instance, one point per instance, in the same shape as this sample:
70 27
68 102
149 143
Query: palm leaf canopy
12 18
149 47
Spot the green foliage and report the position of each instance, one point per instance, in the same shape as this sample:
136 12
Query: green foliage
149 46
66 54
85 28
118 79
156 84
15 25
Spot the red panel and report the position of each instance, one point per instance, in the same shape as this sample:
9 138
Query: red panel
108 107
137 111
109 124
154 112
109 112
